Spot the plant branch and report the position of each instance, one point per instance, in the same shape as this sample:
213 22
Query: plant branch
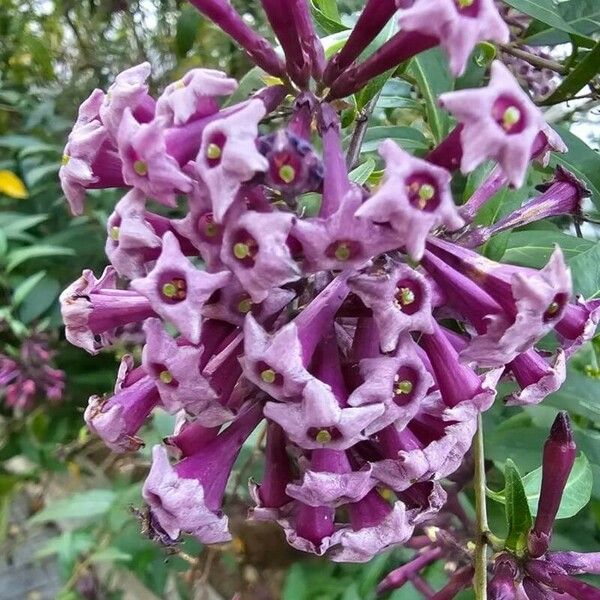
532 59
480 580
359 132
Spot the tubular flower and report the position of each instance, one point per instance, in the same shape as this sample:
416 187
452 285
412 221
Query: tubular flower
367 372
498 121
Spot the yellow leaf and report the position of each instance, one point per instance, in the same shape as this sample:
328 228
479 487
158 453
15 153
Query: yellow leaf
12 186
270 80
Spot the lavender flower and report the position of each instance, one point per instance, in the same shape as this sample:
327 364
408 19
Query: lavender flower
321 329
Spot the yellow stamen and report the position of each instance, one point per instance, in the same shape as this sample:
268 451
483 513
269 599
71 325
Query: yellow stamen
140 167
241 250
323 437
342 252
268 376
213 152
166 377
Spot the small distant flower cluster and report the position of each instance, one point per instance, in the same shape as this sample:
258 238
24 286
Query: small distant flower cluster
533 572
541 82
369 336
29 377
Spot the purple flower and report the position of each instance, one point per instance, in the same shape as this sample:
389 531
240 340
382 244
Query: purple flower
255 249
342 240
129 91
400 298
131 241
458 25
331 481
576 563
228 155
502 586
559 456
118 419
177 290
89 160
176 370
499 121
146 163
397 578
414 199
578 325
398 382
188 496
93 310
318 421
536 377
193 96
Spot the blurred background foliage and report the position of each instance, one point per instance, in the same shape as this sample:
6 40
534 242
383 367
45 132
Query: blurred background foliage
54 479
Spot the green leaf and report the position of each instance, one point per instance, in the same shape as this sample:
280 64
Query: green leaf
362 173
329 8
110 554
542 10
581 160
26 287
326 24
578 78
577 494
21 255
585 271
409 138
430 70
532 247
518 515
39 300
37 174
13 222
578 395
578 489
582 15
83 506
187 27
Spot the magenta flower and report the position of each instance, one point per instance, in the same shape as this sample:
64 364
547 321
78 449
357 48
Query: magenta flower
193 96
498 121
228 155
177 291
146 163
458 25
414 199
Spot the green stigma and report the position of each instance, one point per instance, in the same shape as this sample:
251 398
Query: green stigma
342 252
114 233
140 167
406 296
323 437
169 290
166 377
245 305
213 152
287 173
65 160
403 387
426 192
211 229
241 250
511 116
465 3
268 376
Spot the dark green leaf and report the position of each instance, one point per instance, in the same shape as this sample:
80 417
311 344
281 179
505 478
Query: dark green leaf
18 257
581 160
532 248
187 28
542 10
410 139
578 78
39 300
431 73
582 15
26 287
585 271
518 515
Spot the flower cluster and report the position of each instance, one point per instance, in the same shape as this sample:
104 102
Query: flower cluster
29 376
533 572
364 336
